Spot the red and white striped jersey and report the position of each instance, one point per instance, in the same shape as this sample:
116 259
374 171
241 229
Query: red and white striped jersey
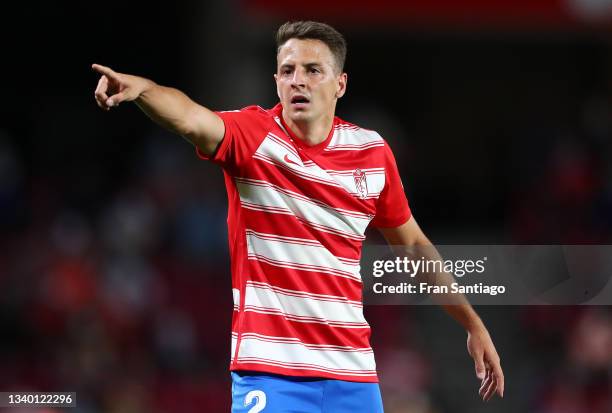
297 218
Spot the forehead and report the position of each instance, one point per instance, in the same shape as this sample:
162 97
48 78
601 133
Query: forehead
298 51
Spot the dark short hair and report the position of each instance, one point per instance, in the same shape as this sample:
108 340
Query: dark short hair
317 31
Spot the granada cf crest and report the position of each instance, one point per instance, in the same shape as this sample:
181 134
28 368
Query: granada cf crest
361 183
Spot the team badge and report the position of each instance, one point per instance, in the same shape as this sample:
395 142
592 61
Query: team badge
361 183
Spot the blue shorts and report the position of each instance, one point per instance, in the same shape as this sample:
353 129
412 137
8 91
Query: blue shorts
269 393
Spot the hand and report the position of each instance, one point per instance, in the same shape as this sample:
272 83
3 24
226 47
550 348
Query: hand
114 88
487 363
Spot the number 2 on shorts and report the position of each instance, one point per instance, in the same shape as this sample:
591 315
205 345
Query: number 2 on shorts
259 404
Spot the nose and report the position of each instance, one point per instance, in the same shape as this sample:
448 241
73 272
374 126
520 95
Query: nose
298 78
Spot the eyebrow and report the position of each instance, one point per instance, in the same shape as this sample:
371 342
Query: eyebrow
307 65
315 65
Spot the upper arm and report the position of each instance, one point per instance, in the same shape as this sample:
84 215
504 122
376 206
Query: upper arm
206 129
392 207
230 138
409 233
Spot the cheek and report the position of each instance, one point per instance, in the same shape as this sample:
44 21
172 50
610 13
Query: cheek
281 89
286 86
330 91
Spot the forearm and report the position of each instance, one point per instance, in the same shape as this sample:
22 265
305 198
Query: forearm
465 315
408 239
175 111
455 304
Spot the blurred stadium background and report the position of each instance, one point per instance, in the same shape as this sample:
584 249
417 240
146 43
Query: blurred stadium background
113 255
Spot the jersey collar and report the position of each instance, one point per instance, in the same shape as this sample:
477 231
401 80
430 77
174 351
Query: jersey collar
309 149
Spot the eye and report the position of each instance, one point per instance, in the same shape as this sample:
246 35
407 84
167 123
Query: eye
314 70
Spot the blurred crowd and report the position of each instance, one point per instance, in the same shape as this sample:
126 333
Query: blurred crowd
129 306
563 192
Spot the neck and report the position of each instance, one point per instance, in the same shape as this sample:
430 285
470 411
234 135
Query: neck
313 132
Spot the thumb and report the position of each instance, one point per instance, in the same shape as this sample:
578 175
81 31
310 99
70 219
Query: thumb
480 368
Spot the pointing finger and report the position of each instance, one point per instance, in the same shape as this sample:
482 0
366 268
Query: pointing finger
107 71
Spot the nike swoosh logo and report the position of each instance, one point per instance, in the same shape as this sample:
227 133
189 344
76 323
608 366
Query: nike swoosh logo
286 158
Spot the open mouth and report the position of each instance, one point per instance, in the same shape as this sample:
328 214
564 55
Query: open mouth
299 100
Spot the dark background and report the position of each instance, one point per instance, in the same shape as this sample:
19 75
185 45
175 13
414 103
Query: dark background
113 255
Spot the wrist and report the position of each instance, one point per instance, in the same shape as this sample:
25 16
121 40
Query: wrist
475 326
145 88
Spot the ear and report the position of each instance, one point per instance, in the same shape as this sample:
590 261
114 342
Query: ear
341 87
277 91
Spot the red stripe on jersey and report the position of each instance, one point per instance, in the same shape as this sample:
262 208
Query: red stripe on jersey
302 280
289 225
310 333
262 366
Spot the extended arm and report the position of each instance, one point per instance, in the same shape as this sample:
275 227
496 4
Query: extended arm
479 343
167 106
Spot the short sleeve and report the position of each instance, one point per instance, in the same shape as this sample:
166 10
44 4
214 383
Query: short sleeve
245 129
392 209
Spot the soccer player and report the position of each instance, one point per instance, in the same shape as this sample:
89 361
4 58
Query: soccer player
303 185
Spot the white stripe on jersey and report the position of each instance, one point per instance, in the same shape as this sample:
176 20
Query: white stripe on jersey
236 297
275 339
263 196
273 151
354 139
298 306
315 296
255 349
375 178
299 253
303 366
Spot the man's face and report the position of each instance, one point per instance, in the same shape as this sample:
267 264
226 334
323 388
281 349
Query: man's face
307 80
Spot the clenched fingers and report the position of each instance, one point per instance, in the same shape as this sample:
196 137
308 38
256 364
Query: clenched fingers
485 384
499 375
100 93
493 383
489 391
